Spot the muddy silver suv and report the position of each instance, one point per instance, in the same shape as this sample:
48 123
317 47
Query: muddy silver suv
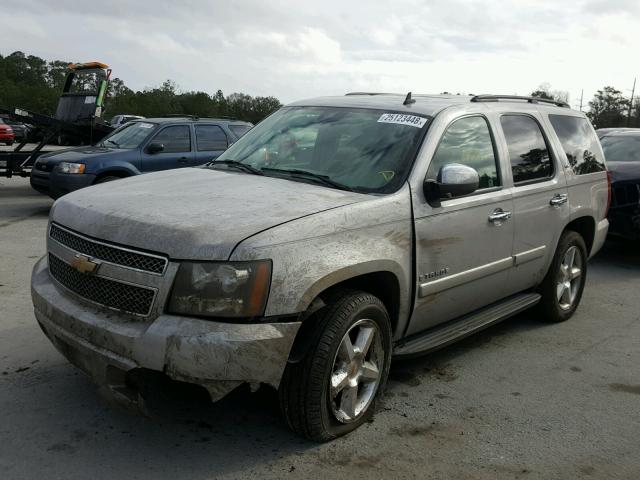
336 234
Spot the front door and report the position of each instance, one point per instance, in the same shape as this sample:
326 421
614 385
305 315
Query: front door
463 247
176 150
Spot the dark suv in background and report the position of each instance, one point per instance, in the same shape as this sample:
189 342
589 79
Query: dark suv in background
143 146
622 150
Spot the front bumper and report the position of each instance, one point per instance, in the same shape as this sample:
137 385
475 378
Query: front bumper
217 356
57 184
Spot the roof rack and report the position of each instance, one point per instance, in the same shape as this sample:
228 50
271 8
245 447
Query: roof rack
179 115
496 98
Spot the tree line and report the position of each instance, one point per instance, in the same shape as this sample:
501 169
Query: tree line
33 83
609 107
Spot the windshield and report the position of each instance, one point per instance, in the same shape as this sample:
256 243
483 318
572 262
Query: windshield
623 148
363 150
130 135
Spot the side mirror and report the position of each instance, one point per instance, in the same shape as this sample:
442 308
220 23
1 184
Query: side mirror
155 148
454 180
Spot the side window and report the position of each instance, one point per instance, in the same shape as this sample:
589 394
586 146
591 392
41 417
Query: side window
528 150
239 130
468 141
210 137
579 142
175 139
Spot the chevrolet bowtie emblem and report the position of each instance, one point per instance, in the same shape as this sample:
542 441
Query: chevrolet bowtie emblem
83 264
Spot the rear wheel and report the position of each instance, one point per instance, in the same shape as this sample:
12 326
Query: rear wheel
332 390
564 283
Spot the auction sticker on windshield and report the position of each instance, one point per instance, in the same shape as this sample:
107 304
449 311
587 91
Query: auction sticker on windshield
402 119
145 125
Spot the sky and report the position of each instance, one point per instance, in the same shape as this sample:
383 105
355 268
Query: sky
300 49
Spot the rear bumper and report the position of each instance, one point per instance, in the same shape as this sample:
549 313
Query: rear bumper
217 356
600 236
7 137
57 184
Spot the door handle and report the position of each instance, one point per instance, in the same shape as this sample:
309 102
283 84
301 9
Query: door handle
498 216
183 160
558 199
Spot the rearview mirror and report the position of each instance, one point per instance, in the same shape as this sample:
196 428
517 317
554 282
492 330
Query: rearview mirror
155 148
453 180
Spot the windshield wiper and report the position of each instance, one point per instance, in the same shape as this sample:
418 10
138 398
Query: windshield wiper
324 179
111 141
236 164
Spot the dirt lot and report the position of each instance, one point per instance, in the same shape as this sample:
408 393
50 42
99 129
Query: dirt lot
520 400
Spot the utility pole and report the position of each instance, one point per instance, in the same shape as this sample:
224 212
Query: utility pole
633 91
581 95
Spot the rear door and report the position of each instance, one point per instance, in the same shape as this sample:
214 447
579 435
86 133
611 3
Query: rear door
177 150
540 197
463 246
211 141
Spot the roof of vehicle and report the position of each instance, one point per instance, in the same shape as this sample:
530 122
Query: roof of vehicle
423 104
618 132
188 118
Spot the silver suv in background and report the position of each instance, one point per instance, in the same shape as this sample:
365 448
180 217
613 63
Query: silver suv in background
337 233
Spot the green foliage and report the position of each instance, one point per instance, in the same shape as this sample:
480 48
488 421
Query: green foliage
34 84
610 108
544 91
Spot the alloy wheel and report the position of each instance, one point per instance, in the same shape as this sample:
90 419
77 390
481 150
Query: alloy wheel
356 372
569 278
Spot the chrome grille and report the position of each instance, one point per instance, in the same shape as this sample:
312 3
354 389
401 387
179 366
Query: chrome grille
110 293
108 253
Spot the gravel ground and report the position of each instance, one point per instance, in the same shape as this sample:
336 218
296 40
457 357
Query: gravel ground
520 400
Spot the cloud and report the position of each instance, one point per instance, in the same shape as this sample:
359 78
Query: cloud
300 49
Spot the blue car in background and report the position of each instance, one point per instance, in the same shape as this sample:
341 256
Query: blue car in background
142 146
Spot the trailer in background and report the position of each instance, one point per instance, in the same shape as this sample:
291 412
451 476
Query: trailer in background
79 117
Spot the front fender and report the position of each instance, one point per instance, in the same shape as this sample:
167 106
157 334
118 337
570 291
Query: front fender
117 167
315 252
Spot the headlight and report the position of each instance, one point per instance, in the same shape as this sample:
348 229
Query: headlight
68 167
230 289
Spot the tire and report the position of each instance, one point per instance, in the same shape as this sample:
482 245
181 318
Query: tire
309 405
559 302
108 178
8 144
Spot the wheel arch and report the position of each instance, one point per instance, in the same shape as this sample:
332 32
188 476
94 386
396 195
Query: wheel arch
586 227
382 279
114 172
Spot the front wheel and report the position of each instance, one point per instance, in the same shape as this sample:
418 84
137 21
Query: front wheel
564 283
108 178
332 390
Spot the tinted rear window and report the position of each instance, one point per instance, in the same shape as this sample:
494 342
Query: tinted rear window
528 150
579 142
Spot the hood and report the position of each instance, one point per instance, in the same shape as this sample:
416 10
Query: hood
192 213
624 171
80 154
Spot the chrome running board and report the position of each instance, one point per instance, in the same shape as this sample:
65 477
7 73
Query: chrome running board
443 335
